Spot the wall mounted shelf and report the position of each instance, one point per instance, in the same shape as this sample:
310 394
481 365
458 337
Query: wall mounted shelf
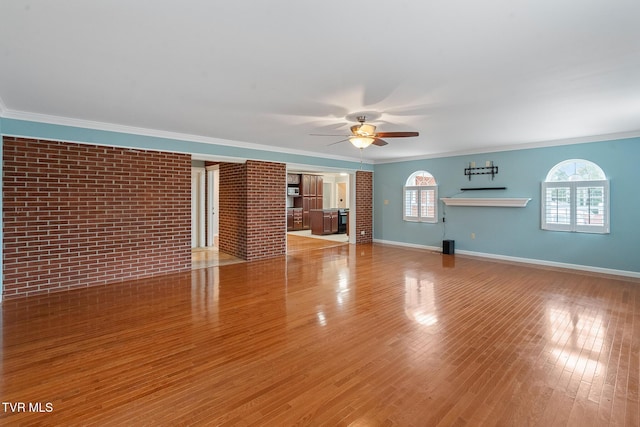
485 201
482 188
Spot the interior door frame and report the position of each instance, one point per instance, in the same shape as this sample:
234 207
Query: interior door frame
198 209
213 204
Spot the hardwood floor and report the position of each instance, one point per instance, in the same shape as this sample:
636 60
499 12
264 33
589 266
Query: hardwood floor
346 335
211 257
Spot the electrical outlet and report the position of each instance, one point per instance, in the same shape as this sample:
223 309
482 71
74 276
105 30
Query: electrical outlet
473 236
362 233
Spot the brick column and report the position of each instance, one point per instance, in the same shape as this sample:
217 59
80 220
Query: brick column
266 210
364 207
232 212
253 209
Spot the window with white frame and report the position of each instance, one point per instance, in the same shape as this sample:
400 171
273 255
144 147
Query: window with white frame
420 198
575 197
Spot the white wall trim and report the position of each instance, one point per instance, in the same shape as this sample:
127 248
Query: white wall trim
408 245
134 130
112 127
202 221
580 267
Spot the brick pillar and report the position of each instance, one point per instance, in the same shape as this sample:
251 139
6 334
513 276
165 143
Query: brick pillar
266 210
364 207
232 215
253 209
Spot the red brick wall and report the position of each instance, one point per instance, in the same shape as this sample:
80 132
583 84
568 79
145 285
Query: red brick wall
79 215
232 215
252 209
266 210
364 207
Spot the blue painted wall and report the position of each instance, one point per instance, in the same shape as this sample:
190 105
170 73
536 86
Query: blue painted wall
516 232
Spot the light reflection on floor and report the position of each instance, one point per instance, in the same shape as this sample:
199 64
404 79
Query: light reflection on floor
211 257
296 241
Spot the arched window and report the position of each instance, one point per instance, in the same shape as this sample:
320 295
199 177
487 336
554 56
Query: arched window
575 197
420 198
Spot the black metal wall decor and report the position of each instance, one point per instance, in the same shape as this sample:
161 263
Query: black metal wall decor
490 169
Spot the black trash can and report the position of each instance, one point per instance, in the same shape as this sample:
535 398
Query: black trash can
448 247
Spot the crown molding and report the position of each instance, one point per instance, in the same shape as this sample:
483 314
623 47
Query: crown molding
524 146
111 127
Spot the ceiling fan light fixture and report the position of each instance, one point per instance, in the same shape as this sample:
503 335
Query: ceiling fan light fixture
361 141
366 130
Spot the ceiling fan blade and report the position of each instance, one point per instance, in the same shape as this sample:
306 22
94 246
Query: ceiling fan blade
325 134
338 142
396 134
379 142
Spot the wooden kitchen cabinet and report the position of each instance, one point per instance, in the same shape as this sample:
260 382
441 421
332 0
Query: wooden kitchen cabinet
309 183
311 190
324 221
308 204
294 219
297 219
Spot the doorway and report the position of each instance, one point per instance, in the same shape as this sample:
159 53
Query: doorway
204 207
198 221
341 198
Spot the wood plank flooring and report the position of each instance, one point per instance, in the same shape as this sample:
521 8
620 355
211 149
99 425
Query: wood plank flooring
370 335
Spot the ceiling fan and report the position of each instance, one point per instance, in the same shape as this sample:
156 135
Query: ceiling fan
364 134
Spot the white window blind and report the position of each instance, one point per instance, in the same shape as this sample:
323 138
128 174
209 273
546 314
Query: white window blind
581 206
420 203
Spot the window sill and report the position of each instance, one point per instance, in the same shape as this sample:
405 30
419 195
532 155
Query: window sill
489 202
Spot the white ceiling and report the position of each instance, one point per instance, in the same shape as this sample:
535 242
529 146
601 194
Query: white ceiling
468 75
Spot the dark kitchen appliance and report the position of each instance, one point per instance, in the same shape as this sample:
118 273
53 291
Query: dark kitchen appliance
343 218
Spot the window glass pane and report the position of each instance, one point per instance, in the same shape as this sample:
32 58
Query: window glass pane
420 197
558 205
590 206
419 178
427 205
425 180
575 170
411 203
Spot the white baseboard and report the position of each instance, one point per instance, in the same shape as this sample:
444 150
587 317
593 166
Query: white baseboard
589 268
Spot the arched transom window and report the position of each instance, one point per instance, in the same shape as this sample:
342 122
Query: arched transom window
420 198
575 197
